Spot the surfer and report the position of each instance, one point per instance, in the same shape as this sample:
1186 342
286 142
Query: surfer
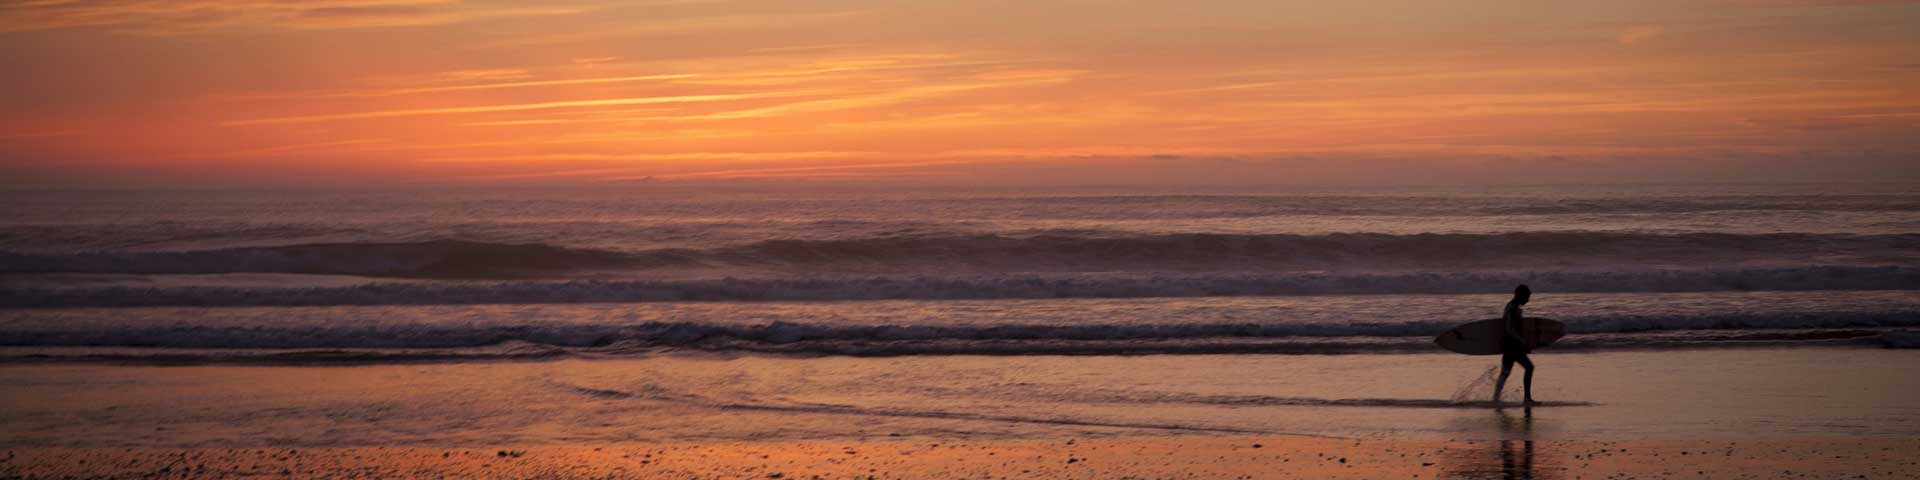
1513 347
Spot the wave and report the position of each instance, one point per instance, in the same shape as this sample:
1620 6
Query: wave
430 259
789 337
1750 203
363 356
110 236
1901 339
1228 206
1054 252
1020 286
531 352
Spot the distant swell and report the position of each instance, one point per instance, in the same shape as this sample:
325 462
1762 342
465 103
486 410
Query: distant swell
1003 253
433 259
1216 252
346 343
801 337
972 287
1218 205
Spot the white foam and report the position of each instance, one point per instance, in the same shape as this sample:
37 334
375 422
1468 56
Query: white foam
1007 286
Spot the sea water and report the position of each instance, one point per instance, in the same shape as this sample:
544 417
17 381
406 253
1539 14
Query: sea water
111 284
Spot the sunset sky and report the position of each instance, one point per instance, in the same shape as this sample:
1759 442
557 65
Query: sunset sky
272 92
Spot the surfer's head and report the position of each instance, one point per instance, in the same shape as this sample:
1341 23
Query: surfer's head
1521 293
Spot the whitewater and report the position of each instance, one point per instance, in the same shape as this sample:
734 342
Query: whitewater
504 273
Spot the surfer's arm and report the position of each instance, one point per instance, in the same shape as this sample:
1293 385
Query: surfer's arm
1511 322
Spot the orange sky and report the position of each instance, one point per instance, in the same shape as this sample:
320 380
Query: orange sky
270 92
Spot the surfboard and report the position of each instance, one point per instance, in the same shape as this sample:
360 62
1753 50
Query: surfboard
1483 337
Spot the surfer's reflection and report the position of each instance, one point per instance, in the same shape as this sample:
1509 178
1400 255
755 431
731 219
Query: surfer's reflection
1516 465
1514 459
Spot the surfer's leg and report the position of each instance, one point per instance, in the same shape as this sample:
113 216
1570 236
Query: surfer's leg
1526 380
1500 386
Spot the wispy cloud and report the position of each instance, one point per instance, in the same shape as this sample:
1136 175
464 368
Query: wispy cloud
885 97
484 75
806 48
605 102
529 83
187 16
861 169
1637 34
1821 3
655 157
449 88
59 133
684 25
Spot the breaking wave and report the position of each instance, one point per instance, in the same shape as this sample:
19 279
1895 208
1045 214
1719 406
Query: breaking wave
769 336
429 343
433 259
1267 205
1901 339
1053 252
1012 286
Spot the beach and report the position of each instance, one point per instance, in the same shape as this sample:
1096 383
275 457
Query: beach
1818 412
1248 457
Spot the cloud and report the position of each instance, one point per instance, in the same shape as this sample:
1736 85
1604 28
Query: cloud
654 157
677 26
893 96
377 14
165 17
1816 3
494 74
605 102
1637 34
529 83
861 170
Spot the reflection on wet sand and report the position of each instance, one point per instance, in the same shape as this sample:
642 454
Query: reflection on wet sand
1512 457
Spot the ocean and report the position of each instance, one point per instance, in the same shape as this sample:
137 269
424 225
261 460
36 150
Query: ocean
604 271
1023 308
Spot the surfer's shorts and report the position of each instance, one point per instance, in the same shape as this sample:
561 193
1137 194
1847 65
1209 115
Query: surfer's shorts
1509 347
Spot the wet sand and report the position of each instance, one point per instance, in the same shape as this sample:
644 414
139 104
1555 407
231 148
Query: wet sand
1148 457
1759 413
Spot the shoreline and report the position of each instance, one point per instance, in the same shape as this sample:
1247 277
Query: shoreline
322 358
1134 457
1612 396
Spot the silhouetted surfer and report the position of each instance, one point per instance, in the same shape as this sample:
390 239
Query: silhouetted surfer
1513 346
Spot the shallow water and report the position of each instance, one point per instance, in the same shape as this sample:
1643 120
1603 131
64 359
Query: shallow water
1690 394
1307 324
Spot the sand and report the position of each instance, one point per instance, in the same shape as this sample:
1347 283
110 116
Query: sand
1781 413
1142 457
